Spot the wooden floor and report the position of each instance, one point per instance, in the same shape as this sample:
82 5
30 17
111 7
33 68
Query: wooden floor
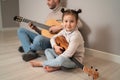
12 67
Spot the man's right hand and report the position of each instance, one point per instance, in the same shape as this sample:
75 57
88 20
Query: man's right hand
55 29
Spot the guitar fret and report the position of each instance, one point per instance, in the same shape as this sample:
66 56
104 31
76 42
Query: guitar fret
26 20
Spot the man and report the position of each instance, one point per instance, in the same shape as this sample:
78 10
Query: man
32 42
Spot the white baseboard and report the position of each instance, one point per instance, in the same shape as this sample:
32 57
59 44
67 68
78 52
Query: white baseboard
7 29
103 55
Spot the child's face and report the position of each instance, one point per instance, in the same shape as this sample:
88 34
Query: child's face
69 22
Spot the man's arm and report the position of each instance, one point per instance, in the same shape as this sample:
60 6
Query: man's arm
79 25
55 29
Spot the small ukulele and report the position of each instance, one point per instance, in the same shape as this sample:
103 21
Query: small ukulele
62 42
44 27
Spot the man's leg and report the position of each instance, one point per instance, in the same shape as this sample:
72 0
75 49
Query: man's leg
40 43
26 37
20 49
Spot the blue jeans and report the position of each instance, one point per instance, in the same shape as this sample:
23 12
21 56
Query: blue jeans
54 60
32 41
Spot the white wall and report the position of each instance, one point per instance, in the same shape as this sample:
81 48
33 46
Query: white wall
34 9
101 19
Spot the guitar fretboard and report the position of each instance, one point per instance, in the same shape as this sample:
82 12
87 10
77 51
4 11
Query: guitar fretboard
36 24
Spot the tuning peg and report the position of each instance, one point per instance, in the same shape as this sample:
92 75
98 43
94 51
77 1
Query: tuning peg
96 74
96 69
91 67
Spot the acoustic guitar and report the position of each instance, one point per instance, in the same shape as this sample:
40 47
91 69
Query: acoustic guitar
62 42
44 27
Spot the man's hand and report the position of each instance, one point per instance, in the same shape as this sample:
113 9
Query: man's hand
55 29
31 25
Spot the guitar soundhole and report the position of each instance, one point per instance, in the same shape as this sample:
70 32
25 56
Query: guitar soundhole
51 31
58 44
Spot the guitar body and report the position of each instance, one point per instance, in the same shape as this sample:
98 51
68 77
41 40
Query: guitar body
62 42
44 27
51 22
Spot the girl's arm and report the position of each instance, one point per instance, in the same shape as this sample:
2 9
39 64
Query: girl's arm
52 40
74 44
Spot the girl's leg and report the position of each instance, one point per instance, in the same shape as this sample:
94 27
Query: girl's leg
50 69
60 61
50 54
36 63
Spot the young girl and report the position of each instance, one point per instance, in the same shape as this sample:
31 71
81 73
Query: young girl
75 48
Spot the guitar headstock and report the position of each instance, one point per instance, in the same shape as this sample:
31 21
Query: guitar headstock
18 18
91 72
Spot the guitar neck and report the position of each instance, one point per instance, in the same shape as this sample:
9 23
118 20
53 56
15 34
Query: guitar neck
37 30
43 26
77 62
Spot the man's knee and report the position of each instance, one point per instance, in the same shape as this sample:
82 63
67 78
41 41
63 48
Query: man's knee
38 38
21 30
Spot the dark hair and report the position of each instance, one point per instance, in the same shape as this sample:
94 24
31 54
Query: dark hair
71 11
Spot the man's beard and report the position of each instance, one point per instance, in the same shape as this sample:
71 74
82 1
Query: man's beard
53 6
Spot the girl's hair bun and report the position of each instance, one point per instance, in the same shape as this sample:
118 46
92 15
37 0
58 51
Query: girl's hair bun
79 11
62 10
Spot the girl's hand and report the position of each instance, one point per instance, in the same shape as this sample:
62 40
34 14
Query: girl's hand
58 49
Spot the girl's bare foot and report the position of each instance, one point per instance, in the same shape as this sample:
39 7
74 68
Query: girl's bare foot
51 69
35 63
